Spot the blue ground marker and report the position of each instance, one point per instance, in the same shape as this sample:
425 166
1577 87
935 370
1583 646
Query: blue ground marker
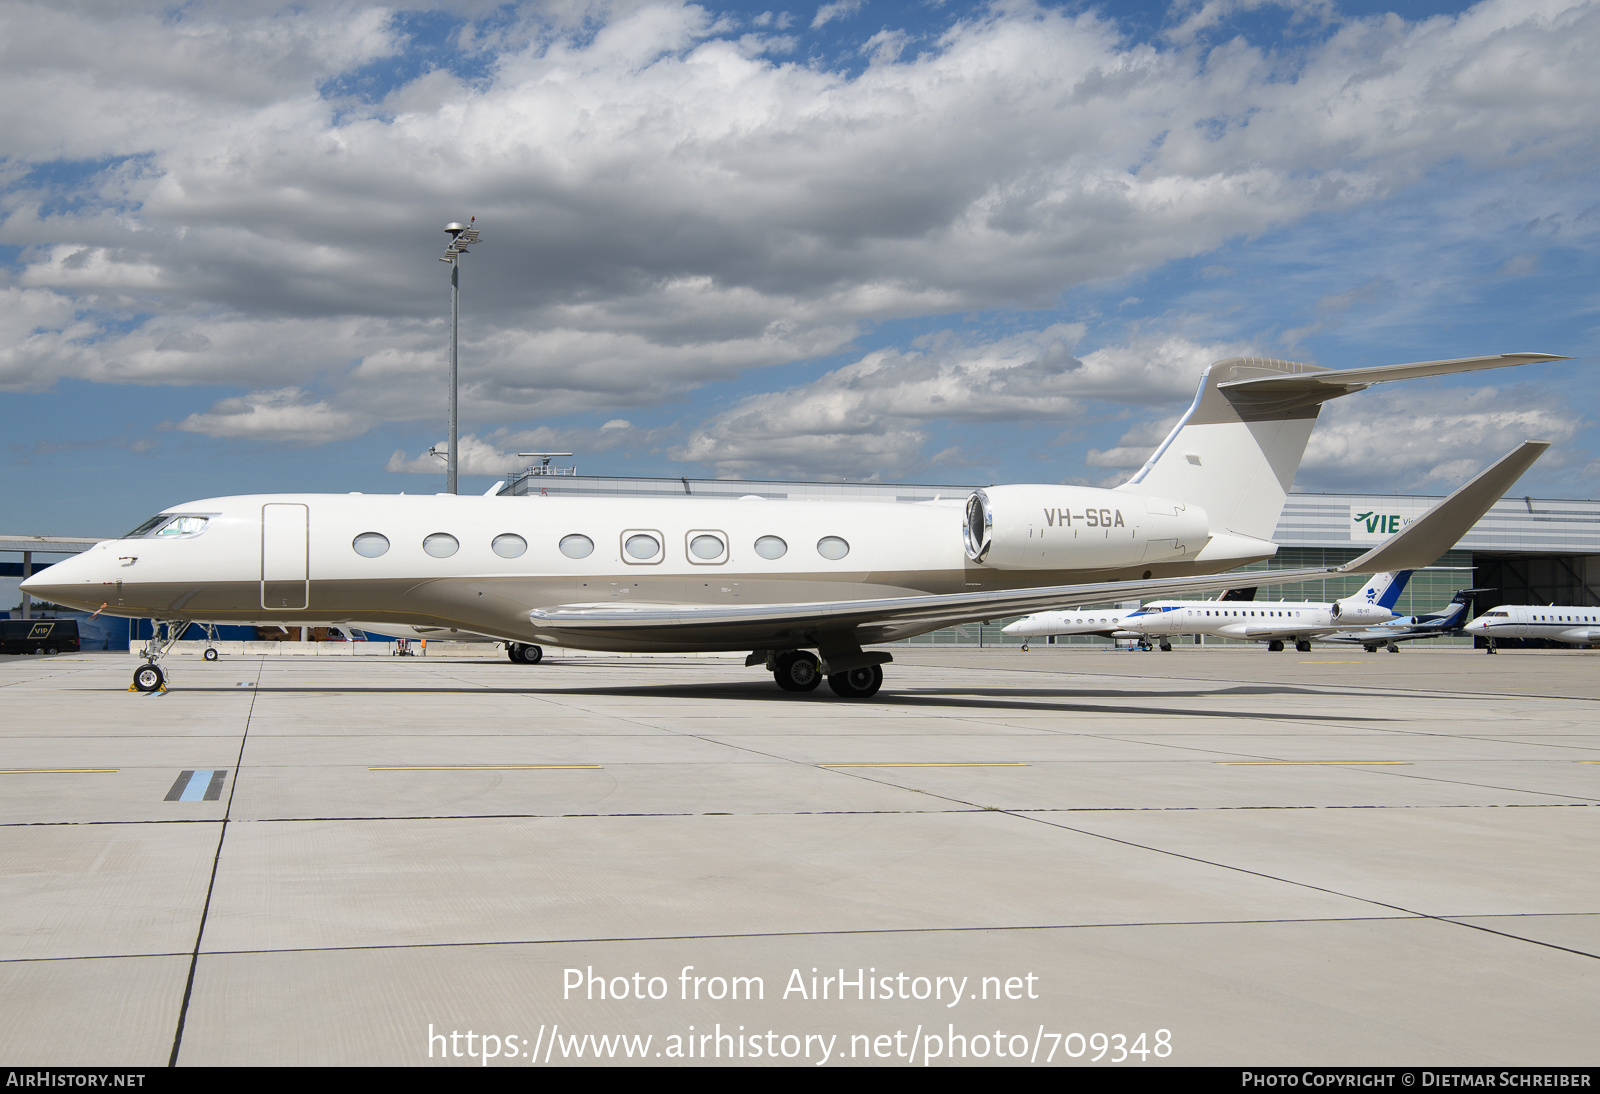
194 786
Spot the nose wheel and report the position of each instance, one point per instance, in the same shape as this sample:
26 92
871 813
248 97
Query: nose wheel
148 678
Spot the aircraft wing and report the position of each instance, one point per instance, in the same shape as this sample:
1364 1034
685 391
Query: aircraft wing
853 623
1384 637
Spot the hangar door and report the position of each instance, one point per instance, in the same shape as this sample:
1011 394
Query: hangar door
285 556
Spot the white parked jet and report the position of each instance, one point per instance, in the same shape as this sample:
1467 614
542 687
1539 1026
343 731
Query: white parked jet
777 578
1573 625
1298 622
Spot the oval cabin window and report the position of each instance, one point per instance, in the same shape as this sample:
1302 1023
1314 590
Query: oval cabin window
441 545
576 546
706 547
641 546
509 545
832 548
370 544
771 547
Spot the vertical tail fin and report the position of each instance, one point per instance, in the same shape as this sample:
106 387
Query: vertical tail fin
1235 457
1384 589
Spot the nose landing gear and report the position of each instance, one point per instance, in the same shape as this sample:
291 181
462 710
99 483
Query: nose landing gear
148 676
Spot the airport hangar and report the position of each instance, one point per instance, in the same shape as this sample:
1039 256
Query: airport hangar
1524 551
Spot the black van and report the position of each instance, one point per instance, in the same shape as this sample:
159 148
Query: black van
38 636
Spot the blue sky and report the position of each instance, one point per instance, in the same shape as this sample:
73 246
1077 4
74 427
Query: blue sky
895 241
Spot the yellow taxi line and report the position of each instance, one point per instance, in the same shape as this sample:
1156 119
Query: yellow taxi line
62 771
928 765
495 767
1313 763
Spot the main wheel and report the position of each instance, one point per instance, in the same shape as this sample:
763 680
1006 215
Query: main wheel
514 652
532 655
1392 648
210 655
1303 646
1275 646
1166 647
148 678
862 683
797 670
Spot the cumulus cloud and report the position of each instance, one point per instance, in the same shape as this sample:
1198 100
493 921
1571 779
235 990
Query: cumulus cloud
874 414
665 206
1429 442
286 414
839 9
496 453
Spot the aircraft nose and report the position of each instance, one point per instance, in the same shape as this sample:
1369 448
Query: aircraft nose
74 581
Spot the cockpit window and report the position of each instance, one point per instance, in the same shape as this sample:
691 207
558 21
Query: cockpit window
170 524
149 526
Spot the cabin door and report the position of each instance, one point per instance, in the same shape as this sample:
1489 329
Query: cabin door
285 556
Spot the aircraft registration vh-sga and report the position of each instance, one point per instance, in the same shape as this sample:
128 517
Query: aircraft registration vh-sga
777 578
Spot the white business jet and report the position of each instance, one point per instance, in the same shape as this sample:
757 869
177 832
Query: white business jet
780 579
1574 625
1271 623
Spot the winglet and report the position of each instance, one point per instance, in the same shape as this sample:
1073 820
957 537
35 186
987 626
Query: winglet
1422 541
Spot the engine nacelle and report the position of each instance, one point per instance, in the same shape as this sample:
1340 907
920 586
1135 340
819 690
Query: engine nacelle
1078 528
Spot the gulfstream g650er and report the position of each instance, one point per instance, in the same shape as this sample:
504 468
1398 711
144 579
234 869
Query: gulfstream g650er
778 579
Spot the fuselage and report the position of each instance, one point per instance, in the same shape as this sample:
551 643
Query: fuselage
480 564
1572 624
1219 618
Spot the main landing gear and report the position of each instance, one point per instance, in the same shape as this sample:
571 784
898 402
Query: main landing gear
801 671
522 653
797 670
862 683
148 676
1275 646
1303 646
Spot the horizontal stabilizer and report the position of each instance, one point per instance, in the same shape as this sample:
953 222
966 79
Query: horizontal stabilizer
1422 541
1300 389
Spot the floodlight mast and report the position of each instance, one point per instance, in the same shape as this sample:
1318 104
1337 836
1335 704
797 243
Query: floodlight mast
461 235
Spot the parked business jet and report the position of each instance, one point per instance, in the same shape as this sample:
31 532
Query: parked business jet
1411 627
1161 620
1573 625
778 578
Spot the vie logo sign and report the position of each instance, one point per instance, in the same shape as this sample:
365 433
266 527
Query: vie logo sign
1382 523
1371 524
